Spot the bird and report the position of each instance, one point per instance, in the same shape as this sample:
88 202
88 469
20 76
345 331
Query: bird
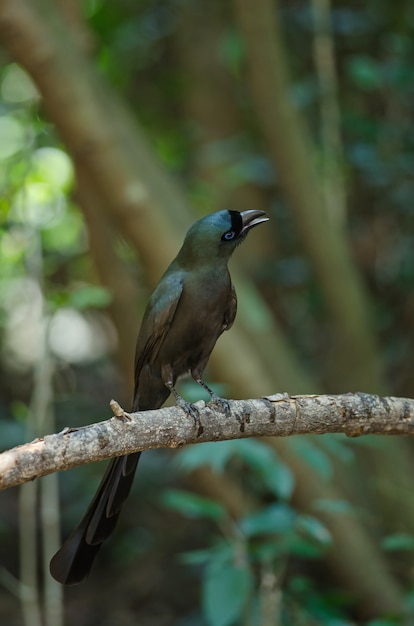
192 305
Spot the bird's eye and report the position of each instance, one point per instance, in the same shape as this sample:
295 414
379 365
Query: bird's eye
229 235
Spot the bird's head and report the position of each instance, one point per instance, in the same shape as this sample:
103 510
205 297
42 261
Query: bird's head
218 234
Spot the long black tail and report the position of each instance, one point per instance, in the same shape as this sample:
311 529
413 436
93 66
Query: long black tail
73 562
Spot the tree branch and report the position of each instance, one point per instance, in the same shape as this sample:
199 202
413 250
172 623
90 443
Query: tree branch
278 415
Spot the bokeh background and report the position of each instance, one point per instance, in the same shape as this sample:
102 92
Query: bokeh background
122 122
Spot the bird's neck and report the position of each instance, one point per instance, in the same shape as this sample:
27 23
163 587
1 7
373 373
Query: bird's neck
191 259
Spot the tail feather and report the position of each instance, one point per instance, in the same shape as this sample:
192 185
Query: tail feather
73 562
122 483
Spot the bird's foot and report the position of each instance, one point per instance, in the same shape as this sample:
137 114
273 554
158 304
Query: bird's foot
192 411
189 408
222 403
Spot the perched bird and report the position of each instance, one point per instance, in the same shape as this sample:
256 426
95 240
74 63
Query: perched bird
193 303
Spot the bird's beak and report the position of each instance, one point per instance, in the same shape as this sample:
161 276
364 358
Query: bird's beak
252 218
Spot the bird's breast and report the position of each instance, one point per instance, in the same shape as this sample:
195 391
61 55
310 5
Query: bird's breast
197 323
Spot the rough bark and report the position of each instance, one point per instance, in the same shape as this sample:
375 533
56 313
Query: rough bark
279 415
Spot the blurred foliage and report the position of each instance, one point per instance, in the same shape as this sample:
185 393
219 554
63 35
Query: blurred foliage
242 555
273 555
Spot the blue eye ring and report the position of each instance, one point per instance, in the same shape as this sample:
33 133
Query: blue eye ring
229 235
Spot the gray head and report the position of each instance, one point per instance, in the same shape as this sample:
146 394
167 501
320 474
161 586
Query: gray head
218 234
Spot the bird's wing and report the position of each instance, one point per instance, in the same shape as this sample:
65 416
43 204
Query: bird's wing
231 310
157 319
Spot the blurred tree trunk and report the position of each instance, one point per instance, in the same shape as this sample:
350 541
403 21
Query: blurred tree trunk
114 275
356 361
332 154
210 102
394 464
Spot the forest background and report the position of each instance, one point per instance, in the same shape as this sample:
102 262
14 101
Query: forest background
122 122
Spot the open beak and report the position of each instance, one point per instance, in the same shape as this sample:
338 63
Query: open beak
252 218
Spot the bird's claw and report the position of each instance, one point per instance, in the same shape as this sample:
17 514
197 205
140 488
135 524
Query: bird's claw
192 411
222 403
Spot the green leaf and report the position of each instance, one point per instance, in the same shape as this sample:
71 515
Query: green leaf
300 584
220 554
280 480
17 87
398 541
193 506
52 166
195 557
13 136
276 475
338 446
365 72
225 591
328 505
313 456
66 235
309 538
303 547
214 454
90 296
20 410
267 551
232 51
255 453
385 622
276 518
313 528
